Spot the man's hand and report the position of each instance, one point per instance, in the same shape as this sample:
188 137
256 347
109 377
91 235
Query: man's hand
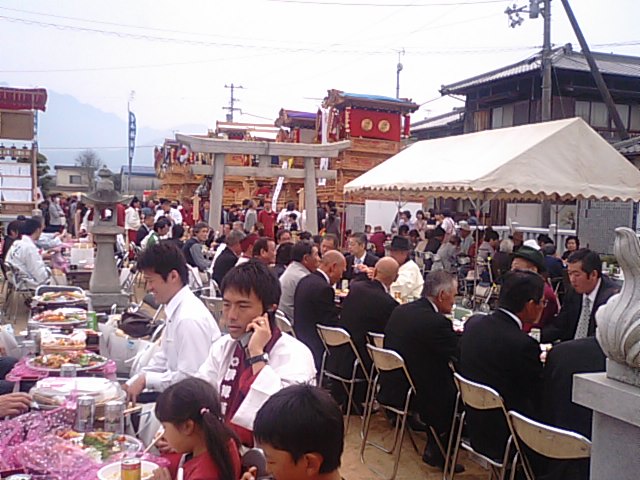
12 404
250 474
261 335
136 388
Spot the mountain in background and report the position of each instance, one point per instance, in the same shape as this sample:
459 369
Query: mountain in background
68 124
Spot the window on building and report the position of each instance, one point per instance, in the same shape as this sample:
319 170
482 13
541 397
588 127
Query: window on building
582 110
623 111
502 116
599 115
75 179
634 122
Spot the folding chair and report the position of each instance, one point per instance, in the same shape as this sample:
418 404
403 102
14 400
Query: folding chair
284 324
335 337
376 339
548 441
15 291
482 397
386 361
213 300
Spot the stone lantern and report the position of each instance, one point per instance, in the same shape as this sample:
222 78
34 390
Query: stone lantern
614 396
104 285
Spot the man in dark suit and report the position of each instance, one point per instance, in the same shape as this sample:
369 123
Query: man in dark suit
497 353
146 227
358 260
424 337
229 256
314 302
366 308
591 290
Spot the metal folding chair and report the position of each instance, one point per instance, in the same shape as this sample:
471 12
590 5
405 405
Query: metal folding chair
548 441
284 324
376 339
386 361
333 337
482 397
16 290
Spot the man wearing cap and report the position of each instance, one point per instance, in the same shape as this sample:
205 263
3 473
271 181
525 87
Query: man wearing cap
528 258
466 239
410 281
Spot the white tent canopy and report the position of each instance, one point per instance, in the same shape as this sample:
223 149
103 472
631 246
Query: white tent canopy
564 159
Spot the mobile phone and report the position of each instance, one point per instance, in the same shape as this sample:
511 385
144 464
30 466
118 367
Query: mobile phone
244 339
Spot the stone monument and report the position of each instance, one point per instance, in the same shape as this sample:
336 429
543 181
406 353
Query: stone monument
614 396
104 285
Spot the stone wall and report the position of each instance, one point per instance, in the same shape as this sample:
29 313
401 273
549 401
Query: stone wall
597 221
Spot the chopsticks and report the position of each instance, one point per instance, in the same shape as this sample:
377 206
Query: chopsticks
154 441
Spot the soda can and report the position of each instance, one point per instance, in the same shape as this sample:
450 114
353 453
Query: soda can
36 337
92 320
85 414
68 370
29 348
131 469
114 416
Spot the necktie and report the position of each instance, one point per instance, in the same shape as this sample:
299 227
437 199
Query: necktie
583 323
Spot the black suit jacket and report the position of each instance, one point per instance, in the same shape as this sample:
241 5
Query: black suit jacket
370 260
563 327
427 342
497 353
142 232
565 360
366 308
225 262
314 304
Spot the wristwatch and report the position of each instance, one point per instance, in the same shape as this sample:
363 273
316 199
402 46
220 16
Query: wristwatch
264 357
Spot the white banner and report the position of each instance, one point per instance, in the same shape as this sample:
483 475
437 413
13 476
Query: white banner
324 131
276 193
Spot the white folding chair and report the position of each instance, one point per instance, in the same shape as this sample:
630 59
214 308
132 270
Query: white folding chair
333 337
283 323
386 361
548 441
482 397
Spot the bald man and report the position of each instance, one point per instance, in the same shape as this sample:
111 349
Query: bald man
314 302
367 308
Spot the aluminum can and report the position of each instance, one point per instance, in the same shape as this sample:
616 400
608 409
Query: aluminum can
92 320
85 414
114 416
68 370
29 348
131 469
19 476
36 337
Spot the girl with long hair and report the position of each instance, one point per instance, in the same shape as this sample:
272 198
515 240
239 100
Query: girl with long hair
192 418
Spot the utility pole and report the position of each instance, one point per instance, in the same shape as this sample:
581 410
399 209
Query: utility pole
232 101
399 68
597 76
535 9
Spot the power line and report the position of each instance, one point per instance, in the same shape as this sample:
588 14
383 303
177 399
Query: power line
41 147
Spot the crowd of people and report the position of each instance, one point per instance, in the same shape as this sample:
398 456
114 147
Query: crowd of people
217 392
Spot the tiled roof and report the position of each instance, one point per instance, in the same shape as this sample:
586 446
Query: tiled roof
439 120
139 170
563 58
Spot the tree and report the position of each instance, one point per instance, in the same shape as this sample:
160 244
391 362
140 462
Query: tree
91 162
45 180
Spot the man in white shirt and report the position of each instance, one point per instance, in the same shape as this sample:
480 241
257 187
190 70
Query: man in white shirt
410 280
255 360
25 257
189 330
166 210
304 260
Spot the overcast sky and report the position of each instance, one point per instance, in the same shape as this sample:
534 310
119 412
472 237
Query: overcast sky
178 55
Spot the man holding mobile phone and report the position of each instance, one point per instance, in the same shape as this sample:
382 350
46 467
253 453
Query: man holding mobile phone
255 360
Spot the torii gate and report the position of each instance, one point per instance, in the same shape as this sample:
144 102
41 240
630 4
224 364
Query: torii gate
264 151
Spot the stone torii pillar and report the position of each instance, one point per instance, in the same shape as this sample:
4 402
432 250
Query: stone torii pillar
264 150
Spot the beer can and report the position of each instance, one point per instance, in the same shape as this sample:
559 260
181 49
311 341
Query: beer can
29 348
85 414
68 370
19 476
131 469
114 416
92 320
36 337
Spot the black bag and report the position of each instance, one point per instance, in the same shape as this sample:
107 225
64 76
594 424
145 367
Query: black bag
137 324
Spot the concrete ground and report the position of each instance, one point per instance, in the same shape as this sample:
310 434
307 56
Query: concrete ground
411 466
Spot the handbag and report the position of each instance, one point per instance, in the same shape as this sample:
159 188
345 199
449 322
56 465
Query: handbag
137 324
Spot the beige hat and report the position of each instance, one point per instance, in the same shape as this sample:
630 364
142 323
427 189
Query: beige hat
464 225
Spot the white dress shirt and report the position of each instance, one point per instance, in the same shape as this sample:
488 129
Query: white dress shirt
290 362
174 214
189 333
592 296
409 282
26 259
513 316
288 282
131 219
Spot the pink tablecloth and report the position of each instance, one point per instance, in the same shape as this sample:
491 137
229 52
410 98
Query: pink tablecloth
21 371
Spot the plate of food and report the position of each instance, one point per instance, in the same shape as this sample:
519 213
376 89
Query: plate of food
55 343
61 297
112 471
51 362
103 445
60 317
